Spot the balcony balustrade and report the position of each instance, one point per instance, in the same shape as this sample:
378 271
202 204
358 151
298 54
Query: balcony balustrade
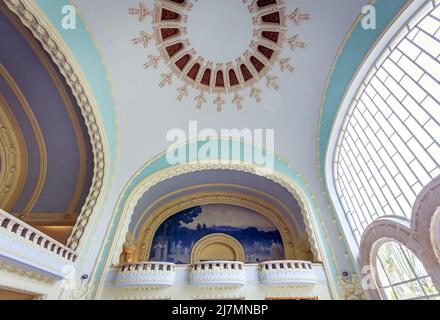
218 273
26 248
287 273
146 275
29 234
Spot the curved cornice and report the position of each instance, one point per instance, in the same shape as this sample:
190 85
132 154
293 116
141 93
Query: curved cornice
42 170
13 157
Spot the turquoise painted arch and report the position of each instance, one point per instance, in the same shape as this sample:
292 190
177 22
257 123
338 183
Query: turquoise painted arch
348 61
81 43
160 163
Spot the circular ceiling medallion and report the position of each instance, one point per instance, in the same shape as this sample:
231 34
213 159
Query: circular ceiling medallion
268 25
211 22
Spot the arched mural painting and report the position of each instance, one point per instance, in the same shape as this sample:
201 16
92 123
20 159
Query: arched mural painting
176 237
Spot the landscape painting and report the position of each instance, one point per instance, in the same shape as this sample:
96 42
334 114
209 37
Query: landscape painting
176 237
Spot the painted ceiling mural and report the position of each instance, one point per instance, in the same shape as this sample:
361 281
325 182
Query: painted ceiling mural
176 237
268 35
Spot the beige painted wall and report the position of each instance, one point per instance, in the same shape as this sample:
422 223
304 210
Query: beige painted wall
12 295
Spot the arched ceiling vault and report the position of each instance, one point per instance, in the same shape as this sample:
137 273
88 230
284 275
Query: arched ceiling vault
53 144
222 187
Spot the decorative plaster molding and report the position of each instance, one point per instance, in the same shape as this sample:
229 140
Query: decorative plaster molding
244 190
13 157
351 288
169 173
287 274
38 135
218 274
218 238
146 275
53 44
16 235
23 273
219 77
84 292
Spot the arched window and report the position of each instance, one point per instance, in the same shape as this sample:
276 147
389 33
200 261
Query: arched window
401 275
389 145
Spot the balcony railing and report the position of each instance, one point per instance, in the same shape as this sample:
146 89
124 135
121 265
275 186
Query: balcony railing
215 274
31 235
146 274
218 273
24 248
287 273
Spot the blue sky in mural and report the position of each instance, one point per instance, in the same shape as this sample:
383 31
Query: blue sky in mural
175 238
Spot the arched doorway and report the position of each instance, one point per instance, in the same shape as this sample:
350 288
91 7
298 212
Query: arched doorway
217 247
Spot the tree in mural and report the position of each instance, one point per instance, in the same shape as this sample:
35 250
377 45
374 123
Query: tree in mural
176 236
171 227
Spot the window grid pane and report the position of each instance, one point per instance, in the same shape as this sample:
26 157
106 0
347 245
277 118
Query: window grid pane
401 275
390 143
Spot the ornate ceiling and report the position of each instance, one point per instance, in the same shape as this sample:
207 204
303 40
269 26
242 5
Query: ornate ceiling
224 187
267 32
46 157
200 57
146 112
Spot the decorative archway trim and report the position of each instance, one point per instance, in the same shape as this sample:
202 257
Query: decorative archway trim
158 170
425 217
418 235
220 186
351 56
231 242
31 15
159 216
13 157
154 179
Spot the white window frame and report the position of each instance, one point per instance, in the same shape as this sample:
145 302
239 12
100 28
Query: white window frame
362 73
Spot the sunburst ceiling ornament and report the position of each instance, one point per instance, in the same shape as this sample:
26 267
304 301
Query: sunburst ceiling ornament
219 79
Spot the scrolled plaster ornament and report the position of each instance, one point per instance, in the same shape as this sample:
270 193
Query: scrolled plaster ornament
351 288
